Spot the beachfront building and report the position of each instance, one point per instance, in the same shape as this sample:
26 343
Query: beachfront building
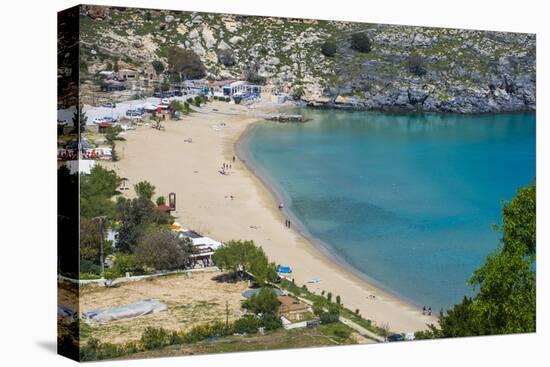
196 86
215 87
291 308
204 246
241 87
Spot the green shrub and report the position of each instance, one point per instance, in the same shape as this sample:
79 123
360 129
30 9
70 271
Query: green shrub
271 321
153 338
202 332
360 42
265 301
328 48
161 200
127 263
88 276
331 315
247 324
89 267
416 64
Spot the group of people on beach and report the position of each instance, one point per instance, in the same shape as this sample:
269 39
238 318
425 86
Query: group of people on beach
427 310
287 223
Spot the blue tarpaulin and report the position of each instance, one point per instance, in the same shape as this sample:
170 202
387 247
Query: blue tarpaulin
284 269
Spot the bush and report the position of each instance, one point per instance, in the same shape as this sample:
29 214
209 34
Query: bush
265 301
161 200
153 338
360 42
95 350
416 63
127 263
197 101
328 48
158 66
202 332
89 267
331 315
88 276
271 321
112 133
247 324
162 250
226 57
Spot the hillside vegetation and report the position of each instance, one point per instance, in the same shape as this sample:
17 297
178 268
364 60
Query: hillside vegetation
403 67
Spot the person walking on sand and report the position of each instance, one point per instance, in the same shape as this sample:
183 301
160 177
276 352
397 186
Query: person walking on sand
233 159
423 310
430 311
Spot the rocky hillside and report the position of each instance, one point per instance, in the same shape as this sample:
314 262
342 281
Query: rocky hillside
462 71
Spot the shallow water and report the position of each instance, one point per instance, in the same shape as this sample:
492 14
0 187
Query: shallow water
407 200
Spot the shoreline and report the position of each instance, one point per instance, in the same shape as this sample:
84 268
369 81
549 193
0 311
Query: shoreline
280 196
206 209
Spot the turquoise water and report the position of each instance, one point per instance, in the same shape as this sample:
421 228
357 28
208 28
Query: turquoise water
406 200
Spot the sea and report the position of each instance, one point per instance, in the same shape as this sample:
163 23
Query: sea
408 201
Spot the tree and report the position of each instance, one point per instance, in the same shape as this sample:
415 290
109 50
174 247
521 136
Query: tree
186 63
360 42
298 92
136 216
158 121
327 312
416 63
519 222
80 119
144 189
96 190
264 302
244 256
161 200
328 48
158 66
226 57
506 284
90 240
162 250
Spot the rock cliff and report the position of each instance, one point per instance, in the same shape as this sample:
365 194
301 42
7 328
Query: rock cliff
463 71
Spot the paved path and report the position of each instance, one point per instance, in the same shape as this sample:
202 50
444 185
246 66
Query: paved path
361 330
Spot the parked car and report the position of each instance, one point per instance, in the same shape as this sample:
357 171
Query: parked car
134 113
157 94
109 105
110 119
396 338
178 93
99 120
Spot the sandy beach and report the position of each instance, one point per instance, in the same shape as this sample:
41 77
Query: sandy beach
204 203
